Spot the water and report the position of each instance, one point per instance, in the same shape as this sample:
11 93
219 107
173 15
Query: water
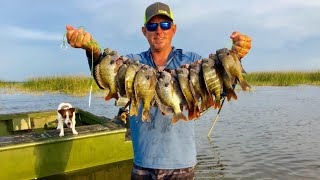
270 133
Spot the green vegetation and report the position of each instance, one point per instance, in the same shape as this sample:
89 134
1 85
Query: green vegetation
73 85
80 85
8 84
283 78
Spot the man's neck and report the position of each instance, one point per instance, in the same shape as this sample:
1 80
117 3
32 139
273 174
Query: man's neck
160 57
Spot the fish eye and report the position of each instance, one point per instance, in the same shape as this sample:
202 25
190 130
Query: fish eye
166 84
112 61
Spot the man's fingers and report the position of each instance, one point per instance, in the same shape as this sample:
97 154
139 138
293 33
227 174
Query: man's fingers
234 34
68 27
243 44
69 35
240 49
79 40
242 38
73 38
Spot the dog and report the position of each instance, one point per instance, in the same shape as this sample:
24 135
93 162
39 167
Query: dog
66 114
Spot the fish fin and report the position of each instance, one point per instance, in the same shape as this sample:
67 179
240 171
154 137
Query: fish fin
146 115
217 104
210 101
111 95
231 94
191 114
172 88
163 108
204 103
177 116
198 112
194 94
244 85
133 108
194 113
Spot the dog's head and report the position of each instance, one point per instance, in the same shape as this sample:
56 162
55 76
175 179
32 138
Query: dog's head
67 115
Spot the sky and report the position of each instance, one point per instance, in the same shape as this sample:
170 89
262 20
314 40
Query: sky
285 33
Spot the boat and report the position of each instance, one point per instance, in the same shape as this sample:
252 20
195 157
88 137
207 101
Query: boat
30 146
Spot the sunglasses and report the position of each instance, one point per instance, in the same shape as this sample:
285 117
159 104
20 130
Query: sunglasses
154 26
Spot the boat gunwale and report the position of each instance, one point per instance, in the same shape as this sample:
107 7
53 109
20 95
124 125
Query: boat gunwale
61 139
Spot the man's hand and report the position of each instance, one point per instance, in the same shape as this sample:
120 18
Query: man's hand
241 44
78 38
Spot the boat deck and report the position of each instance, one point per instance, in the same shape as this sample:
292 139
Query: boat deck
53 134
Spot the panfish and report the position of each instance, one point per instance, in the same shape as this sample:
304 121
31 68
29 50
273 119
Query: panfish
212 80
169 93
132 69
145 89
198 85
108 69
232 66
183 78
121 75
227 81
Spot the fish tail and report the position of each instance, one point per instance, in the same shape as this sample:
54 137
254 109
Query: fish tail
133 108
177 116
217 104
231 94
192 114
197 112
145 115
244 85
210 101
111 95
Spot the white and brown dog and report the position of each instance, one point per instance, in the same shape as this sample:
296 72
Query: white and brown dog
66 114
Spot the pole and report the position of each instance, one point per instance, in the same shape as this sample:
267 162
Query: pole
215 120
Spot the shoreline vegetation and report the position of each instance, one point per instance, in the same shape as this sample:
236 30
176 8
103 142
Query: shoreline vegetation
79 85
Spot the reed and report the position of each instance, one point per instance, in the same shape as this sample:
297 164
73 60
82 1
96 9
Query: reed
8 84
73 85
79 85
283 78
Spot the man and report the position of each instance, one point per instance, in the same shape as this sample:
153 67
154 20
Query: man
161 150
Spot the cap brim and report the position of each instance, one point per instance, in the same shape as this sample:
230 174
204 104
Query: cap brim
159 14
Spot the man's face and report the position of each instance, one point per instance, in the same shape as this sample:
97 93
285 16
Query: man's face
159 39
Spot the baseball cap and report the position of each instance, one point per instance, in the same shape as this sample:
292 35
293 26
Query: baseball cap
157 8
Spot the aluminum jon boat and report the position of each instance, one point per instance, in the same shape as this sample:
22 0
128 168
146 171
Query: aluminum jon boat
30 146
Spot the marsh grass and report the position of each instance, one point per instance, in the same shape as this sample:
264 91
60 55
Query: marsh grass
8 84
79 85
71 85
283 78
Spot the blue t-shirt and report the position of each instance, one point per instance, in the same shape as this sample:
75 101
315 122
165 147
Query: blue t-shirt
159 144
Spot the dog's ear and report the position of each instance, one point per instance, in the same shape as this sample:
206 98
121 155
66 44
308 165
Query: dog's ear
72 109
61 111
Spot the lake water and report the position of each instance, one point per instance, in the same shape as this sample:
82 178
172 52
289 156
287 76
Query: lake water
269 133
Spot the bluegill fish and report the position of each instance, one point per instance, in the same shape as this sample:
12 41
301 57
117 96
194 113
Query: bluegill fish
183 78
108 69
169 93
121 75
132 69
212 80
198 85
145 89
232 66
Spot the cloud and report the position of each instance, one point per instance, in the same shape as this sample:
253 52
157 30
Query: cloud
30 34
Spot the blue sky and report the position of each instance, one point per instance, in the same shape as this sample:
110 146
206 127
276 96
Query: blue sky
285 33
